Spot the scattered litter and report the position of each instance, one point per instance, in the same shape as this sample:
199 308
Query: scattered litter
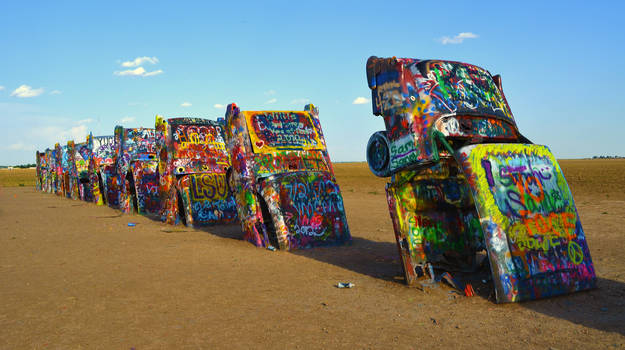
132 224
345 285
272 248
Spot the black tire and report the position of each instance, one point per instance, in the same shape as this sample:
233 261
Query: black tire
379 155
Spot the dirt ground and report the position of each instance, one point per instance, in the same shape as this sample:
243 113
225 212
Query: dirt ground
74 275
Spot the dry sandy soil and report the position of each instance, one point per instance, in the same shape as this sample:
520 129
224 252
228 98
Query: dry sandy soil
75 275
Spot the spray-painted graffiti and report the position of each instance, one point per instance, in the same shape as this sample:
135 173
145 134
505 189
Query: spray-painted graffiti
311 206
136 170
283 179
192 165
467 127
289 161
271 131
534 237
412 96
448 201
102 155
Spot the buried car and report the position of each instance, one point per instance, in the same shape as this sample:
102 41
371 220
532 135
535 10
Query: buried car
62 171
464 179
192 172
101 156
136 175
283 179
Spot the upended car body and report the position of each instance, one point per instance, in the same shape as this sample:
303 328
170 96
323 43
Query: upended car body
101 166
192 172
463 179
283 179
77 170
136 173
62 170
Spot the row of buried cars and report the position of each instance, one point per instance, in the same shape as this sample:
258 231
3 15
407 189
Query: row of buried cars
274 174
466 192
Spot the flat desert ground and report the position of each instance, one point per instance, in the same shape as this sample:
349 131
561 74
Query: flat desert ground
74 275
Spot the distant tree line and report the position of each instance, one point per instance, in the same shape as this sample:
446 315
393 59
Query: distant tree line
22 166
607 157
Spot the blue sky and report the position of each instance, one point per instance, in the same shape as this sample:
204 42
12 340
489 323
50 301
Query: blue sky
62 71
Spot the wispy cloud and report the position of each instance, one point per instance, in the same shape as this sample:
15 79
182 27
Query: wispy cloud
360 100
139 61
154 72
457 39
300 101
55 92
1 87
273 100
21 147
185 104
85 121
25 91
270 92
127 120
138 72
219 106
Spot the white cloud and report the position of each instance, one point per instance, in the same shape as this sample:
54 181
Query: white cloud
273 100
85 121
55 92
21 147
270 92
26 91
137 72
77 133
139 61
360 101
1 87
152 73
185 104
219 106
457 39
300 101
127 120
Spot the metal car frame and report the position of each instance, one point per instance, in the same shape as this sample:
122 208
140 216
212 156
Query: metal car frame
283 180
136 172
464 179
192 172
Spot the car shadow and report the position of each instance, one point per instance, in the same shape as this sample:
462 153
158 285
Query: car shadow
229 231
602 308
371 258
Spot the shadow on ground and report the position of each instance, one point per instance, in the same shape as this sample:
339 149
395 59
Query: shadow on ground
602 308
371 258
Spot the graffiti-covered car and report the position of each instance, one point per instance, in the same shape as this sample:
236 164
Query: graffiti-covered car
78 164
40 163
192 172
49 171
62 171
136 173
464 179
101 155
283 180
